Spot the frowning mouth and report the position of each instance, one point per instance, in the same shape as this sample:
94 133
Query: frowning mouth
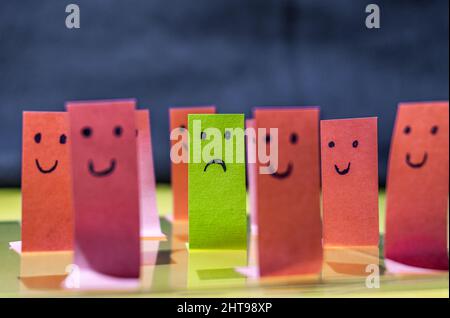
104 172
46 170
342 172
284 174
416 165
218 162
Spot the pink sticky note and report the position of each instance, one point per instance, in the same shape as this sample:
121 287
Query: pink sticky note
350 182
417 187
105 186
150 226
289 225
179 171
251 174
47 215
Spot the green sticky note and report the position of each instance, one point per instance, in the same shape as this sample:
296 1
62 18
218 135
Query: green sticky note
216 182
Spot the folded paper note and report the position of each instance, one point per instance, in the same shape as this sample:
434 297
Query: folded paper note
417 187
150 226
179 170
251 173
105 187
288 199
217 196
350 182
47 215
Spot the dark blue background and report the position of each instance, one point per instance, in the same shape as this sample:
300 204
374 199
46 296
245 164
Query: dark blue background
232 53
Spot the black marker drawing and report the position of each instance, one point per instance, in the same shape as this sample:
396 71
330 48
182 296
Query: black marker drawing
342 172
104 172
416 165
284 174
46 170
218 162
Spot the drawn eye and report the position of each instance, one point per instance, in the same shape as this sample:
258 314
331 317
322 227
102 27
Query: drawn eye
227 135
434 130
38 137
331 144
62 139
355 143
203 135
407 130
86 132
118 131
268 138
294 138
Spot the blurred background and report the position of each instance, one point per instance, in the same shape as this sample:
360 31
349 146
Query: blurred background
235 54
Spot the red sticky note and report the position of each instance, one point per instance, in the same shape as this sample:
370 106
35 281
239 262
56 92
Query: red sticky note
179 171
350 182
417 186
150 226
251 174
105 186
288 200
47 215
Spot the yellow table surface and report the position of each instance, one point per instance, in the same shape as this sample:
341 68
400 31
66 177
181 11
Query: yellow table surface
178 273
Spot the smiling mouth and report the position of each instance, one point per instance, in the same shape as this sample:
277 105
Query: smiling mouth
416 165
104 172
284 174
46 170
342 172
218 162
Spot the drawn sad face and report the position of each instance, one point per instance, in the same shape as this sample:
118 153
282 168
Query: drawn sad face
215 143
216 161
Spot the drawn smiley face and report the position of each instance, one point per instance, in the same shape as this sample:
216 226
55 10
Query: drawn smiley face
282 174
45 144
340 170
38 139
103 139
289 138
408 130
87 132
348 149
420 136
